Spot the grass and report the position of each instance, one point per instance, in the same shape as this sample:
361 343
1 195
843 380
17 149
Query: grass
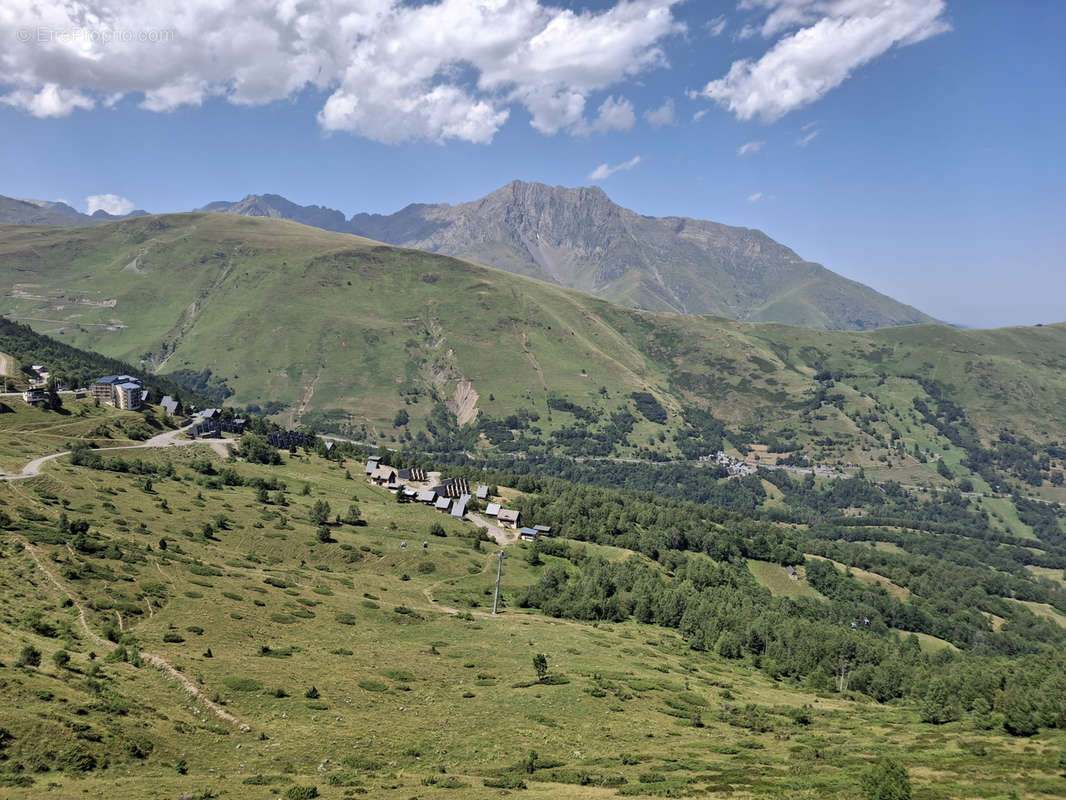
404 687
776 579
27 432
351 328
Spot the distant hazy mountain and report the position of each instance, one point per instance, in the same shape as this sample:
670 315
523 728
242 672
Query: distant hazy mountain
277 207
47 212
580 239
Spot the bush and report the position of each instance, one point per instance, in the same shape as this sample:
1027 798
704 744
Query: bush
886 780
301 793
29 657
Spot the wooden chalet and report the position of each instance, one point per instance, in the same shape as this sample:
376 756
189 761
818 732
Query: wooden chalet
452 487
383 476
508 517
527 535
492 509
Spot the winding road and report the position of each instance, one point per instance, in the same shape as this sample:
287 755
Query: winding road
167 439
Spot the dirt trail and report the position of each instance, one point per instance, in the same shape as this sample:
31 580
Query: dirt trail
166 439
305 401
159 663
502 536
524 341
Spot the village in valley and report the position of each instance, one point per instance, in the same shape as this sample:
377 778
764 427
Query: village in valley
451 496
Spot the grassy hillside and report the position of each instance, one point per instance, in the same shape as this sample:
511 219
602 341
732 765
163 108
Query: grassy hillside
363 668
344 332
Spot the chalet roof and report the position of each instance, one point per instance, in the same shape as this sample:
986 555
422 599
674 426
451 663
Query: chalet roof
427 496
790 570
527 532
542 528
410 492
443 503
169 404
507 515
371 465
459 509
492 509
330 445
482 492
383 474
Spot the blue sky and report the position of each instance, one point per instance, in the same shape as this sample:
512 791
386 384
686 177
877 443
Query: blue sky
915 146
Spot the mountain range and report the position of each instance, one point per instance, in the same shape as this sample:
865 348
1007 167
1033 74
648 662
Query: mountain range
14 211
580 239
344 333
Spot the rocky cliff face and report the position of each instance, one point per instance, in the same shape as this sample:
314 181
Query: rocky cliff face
578 238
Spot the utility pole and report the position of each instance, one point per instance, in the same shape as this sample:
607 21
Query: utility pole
499 572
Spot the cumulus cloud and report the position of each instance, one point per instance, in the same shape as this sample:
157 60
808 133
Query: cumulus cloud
110 203
750 147
821 43
449 69
604 171
661 116
615 114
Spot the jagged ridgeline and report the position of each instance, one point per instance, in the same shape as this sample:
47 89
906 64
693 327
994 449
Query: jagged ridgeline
391 344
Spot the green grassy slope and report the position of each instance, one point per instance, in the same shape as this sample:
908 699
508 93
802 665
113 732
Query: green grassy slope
414 699
352 330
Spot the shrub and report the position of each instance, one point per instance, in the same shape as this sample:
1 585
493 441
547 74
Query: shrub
886 780
426 567
301 793
29 657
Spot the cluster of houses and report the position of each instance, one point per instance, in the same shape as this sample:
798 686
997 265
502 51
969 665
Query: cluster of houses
448 495
210 424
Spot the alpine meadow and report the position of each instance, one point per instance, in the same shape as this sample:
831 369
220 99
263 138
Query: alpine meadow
593 400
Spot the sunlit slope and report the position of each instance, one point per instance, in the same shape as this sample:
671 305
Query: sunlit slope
335 323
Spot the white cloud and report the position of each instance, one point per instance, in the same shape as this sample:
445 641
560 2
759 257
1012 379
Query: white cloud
615 114
823 42
663 115
755 198
807 138
394 70
750 147
50 100
604 171
110 203
716 26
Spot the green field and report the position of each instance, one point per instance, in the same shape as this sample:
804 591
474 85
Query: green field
27 432
419 691
344 331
